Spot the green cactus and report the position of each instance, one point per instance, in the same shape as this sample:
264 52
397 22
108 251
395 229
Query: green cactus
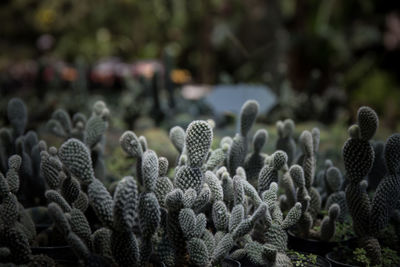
149 170
101 202
334 182
197 142
76 157
255 161
125 204
17 115
286 141
238 148
328 223
125 248
269 173
358 156
177 137
309 143
387 195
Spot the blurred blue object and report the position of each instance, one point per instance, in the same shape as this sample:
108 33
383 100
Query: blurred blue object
230 98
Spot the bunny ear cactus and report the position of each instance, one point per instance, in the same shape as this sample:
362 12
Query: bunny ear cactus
131 145
215 186
271 232
274 224
76 157
387 195
143 142
17 115
13 235
12 177
6 148
101 202
125 248
289 198
255 161
76 231
227 188
70 189
269 173
286 141
150 170
379 168
177 137
358 156
328 223
217 158
60 123
174 203
309 143
149 219
238 148
125 204
197 143
334 182
305 222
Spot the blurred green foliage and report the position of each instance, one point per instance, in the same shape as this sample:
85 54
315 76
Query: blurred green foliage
309 46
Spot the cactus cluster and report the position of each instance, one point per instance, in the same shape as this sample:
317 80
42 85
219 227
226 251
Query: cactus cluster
370 216
90 131
218 203
17 230
16 140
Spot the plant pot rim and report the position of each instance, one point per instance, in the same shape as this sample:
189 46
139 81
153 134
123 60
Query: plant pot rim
328 256
232 262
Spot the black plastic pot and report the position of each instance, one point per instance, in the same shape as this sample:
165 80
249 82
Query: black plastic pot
315 246
335 263
42 227
231 263
245 262
62 254
156 262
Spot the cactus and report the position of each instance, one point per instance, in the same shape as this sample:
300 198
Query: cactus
238 148
269 173
358 156
131 145
306 221
255 161
16 227
328 223
177 136
210 207
334 182
269 236
286 141
26 146
387 194
125 204
321 181
17 115
89 131
309 143
197 142
76 157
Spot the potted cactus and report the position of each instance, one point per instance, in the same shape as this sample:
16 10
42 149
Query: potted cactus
370 216
233 205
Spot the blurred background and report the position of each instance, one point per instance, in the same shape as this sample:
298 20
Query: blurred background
160 63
